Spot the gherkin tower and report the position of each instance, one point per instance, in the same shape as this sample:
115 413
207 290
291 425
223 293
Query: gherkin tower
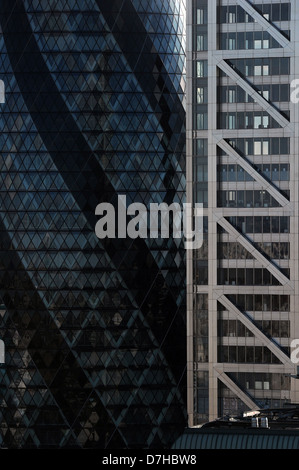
94 330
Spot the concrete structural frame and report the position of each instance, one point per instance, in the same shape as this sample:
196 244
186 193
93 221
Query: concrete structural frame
242 164
92 353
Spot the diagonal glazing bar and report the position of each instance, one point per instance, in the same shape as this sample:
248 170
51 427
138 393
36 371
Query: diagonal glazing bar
234 388
271 29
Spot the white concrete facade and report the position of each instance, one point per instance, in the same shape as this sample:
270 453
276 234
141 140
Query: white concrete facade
242 360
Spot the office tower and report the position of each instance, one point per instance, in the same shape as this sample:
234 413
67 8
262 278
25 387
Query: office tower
94 330
242 164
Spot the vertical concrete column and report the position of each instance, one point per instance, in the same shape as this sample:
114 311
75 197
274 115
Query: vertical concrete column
212 195
294 193
189 199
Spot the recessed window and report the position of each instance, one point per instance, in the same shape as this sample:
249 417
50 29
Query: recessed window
258 147
201 43
231 17
265 147
201 16
201 68
261 385
200 95
275 12
261 122
261 147
202 147
261 70
231 195
202 121
257 70
231 121
231 43
232 95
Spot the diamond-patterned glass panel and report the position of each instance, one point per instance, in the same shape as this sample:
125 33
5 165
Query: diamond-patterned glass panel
93 329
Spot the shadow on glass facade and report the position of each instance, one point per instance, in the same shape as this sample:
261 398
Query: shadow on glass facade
94 329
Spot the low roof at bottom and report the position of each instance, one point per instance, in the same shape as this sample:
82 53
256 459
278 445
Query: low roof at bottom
238 439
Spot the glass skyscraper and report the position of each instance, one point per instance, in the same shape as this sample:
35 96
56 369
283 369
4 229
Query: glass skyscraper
242 164
94 330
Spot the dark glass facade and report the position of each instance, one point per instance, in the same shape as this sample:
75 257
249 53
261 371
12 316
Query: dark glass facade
94 329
